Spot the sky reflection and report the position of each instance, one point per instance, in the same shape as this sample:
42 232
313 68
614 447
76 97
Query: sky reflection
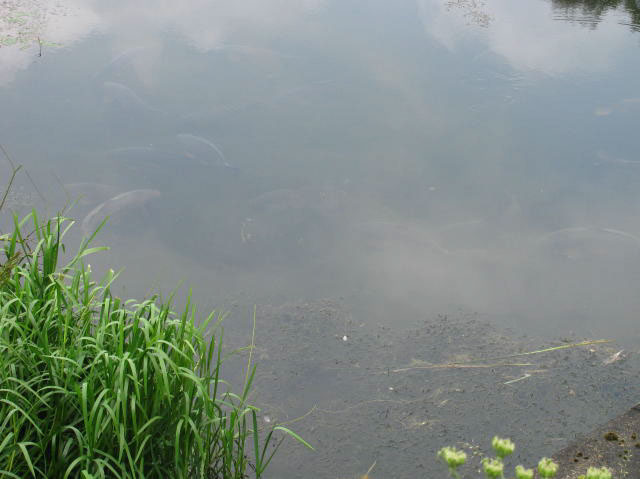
411 154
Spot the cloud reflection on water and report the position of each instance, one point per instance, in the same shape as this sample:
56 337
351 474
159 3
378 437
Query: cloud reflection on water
206 25
522 34
394 183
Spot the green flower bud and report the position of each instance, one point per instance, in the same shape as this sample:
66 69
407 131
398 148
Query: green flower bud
601 473
452 457
522 473
503 447
547 468
492 468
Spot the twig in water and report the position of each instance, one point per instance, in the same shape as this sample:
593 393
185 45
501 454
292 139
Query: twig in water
4 151
14 172
460 366
527 375
366 475
300 418
555 348
34 186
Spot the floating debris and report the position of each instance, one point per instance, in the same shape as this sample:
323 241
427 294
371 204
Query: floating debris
366 474
619 356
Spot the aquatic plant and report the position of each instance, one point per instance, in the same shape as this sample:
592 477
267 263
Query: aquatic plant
494 467
454 459
94 386
597 473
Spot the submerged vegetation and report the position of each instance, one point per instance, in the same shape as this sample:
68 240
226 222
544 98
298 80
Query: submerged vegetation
95 386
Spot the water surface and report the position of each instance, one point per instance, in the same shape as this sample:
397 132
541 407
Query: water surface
412 158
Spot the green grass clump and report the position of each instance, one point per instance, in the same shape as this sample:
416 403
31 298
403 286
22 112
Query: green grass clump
92 386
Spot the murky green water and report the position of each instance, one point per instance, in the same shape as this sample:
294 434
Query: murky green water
412 158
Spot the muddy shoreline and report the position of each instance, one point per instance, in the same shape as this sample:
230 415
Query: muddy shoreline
615 445
362 393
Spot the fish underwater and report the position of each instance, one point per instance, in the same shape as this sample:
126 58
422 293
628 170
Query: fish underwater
113 205
204 150
123 58
123 97
152 156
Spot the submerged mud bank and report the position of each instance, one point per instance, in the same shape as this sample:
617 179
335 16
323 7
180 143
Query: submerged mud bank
361 393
